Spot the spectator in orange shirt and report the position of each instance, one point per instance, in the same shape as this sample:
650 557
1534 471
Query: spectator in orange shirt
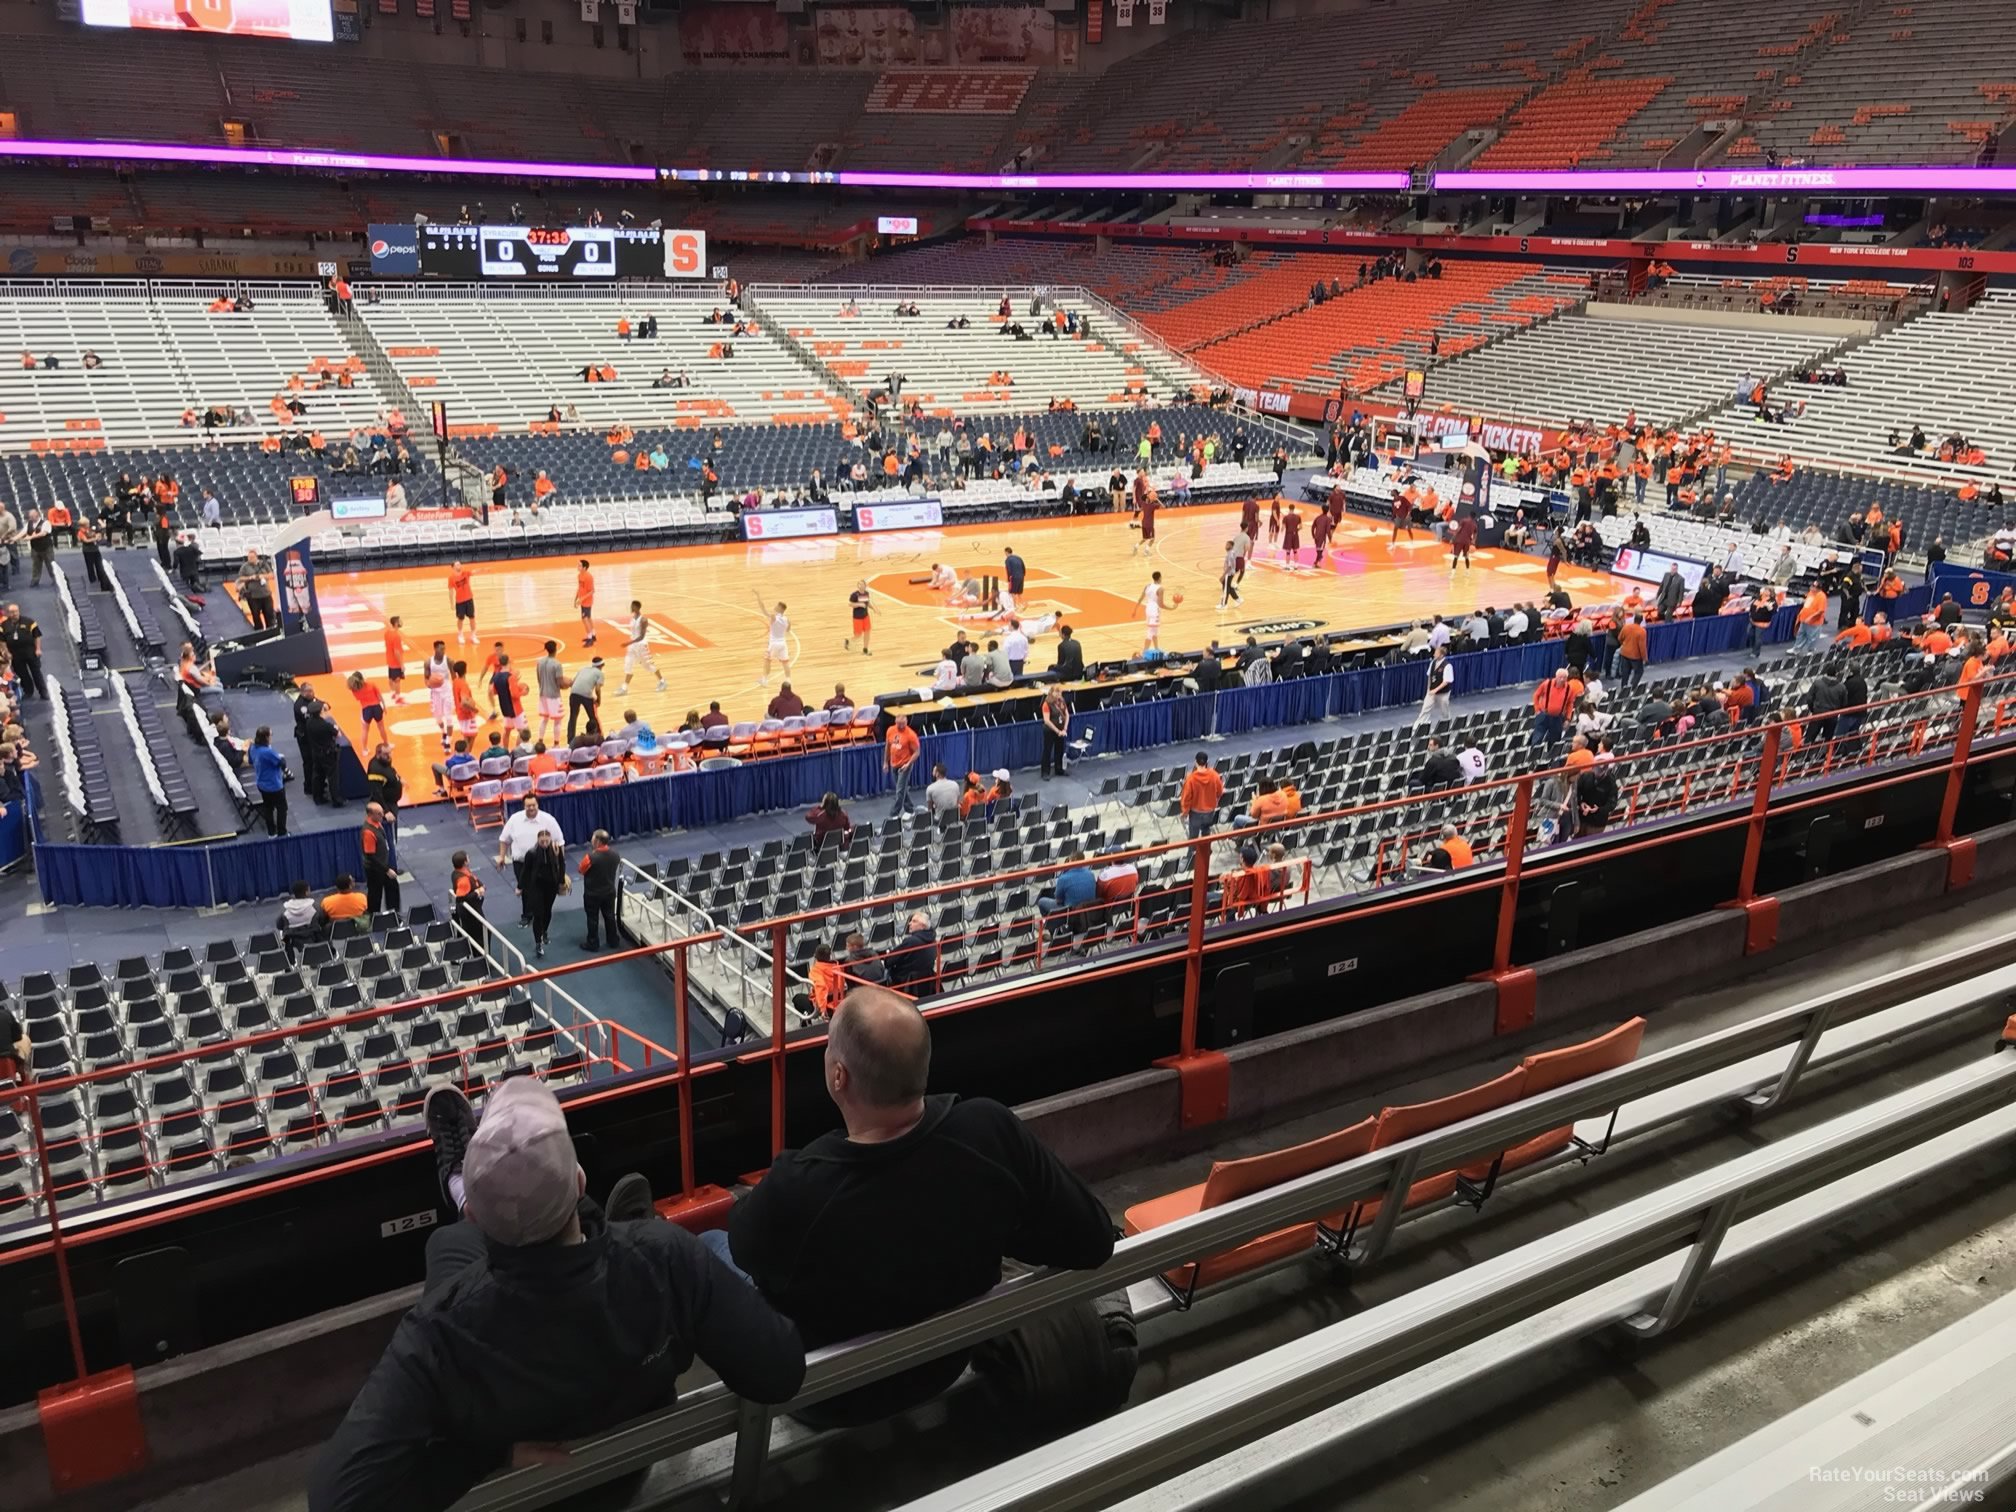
1631 651
1203 791
1812 621
1270 804
1451 852
346 902
1552 701
542 762
902 746
829 982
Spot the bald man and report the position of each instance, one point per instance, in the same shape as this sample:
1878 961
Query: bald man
910 1210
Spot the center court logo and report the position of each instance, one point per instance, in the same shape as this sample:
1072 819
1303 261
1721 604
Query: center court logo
1281 626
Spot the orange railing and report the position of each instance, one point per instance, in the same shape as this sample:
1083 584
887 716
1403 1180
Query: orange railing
1722 771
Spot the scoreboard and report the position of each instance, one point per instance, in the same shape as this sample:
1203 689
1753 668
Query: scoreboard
541 252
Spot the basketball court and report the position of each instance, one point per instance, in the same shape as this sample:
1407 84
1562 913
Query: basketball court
708 607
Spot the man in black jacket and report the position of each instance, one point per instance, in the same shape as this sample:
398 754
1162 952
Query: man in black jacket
913 964
1671 589
1855 688
1439 771
1712 594
911 1210
599 871
541 1321
1825 700
1070 663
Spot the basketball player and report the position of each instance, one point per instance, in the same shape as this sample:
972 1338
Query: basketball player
468 718
552 679
1145 501
1243 542
857 608
1249 518
462 589
1291 537
944 580
1228 577
1274 521
491 663
1150 603
637 653
508 694
777 648
439 673
1319 534
1461 538
395 657
584 600
1403 514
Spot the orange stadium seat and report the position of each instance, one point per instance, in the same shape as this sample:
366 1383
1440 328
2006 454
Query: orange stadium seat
1230 1180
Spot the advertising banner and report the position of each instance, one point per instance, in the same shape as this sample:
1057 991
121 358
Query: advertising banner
723 35
395 249
920 514
788 524
299 607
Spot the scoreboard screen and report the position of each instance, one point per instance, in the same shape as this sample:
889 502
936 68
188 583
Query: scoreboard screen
297 20
541 252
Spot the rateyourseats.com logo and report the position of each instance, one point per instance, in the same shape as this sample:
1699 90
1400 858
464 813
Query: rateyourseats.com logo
1908 1485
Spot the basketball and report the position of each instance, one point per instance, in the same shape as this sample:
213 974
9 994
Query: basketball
1175 600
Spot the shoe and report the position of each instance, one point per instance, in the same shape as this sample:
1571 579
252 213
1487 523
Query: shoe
539 951
630 1199
450 1123
590 945
661 685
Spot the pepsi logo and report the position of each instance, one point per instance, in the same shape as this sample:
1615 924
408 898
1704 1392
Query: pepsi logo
380 248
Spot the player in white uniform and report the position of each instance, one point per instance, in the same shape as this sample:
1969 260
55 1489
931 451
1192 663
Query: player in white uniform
637 653
943 578
437 670
1150 601
778 647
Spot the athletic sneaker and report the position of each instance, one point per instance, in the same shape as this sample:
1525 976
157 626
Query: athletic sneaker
661 685
630 1199
450 1124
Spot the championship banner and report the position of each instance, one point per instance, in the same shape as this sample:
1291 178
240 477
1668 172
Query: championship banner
1095 21
299 608
725 35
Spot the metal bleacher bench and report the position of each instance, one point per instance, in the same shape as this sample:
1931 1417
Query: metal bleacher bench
1755 1064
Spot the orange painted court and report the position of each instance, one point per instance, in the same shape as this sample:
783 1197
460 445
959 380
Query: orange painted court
707 608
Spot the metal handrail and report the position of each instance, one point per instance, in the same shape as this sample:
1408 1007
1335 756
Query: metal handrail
713 1410
1272 1389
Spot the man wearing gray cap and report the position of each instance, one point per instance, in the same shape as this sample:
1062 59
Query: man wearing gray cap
542 1320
